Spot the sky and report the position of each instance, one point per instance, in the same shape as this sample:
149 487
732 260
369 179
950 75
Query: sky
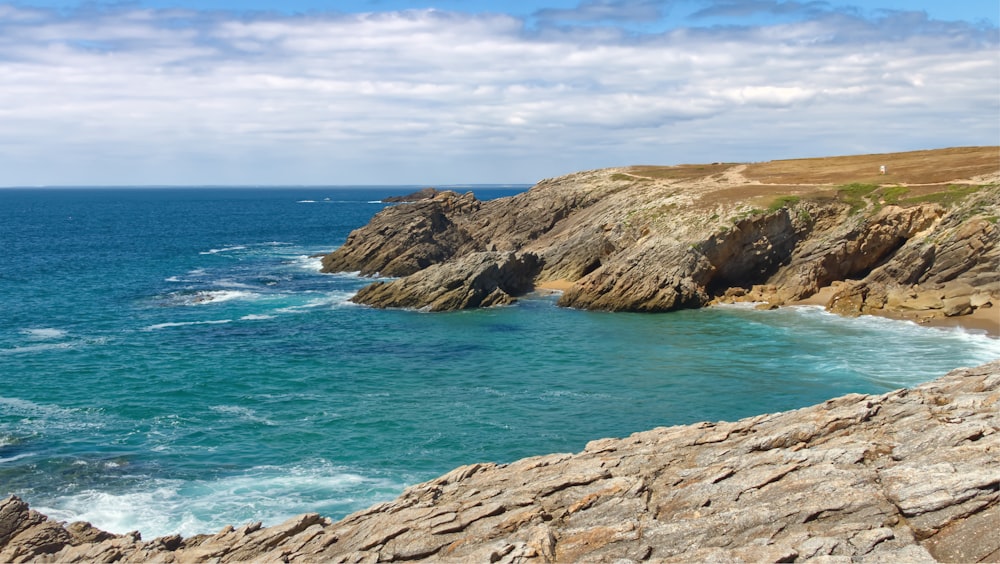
438 92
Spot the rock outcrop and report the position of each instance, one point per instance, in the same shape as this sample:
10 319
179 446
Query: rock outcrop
665 238
407 238
422 194
908 476
475 280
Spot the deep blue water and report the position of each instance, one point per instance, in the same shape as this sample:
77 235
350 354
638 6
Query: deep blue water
171 360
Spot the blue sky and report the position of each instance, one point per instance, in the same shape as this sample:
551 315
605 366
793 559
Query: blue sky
468 91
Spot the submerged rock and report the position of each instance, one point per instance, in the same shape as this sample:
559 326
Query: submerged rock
907 476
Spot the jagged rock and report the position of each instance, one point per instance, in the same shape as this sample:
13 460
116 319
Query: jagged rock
405 239
476 280
423 194
905 476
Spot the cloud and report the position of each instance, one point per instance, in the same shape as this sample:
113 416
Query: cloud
148 96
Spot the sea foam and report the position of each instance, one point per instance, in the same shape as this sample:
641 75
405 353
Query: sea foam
244 413
43 334
223 250
270 494
169 325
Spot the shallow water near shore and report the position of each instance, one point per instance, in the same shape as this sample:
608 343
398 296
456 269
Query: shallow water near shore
172 360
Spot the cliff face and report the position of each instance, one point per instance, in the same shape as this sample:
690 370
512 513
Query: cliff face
922 240
909 476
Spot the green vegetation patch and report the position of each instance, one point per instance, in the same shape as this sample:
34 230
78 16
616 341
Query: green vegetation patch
947 198
746 214
783 202
856 194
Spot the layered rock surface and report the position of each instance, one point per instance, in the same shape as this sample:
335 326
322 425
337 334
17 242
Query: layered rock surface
664 238
912 475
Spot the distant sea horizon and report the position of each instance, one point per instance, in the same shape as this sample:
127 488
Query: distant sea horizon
172 360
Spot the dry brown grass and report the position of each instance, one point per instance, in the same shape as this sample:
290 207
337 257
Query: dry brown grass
679 172
915 167
910 175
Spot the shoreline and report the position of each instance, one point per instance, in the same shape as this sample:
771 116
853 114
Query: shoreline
982 320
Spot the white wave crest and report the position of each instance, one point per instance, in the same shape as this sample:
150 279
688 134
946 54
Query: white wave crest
268 493
230 283
159 326
331 300
44 334
223 250
256 317
310 263
213 297
17 457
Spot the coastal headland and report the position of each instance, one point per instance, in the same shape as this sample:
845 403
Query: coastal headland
907 476
909 235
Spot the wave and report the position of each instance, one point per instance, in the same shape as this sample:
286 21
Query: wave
244 413
44 334
333 299
35 417
223 250
202 297
44 347
878 349
270 494
37 348
306 202
159 326
256 317
230 283
306 262
17 457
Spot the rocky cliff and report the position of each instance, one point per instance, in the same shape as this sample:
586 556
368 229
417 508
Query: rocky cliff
908 476
920 241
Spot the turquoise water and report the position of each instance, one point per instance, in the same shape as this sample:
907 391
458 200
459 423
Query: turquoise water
171 360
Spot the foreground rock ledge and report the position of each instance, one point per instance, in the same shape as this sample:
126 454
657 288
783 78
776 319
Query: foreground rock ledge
908 476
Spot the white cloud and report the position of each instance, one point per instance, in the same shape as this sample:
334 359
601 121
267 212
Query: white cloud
141 96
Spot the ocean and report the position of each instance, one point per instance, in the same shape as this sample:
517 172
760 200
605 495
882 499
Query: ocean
172 361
